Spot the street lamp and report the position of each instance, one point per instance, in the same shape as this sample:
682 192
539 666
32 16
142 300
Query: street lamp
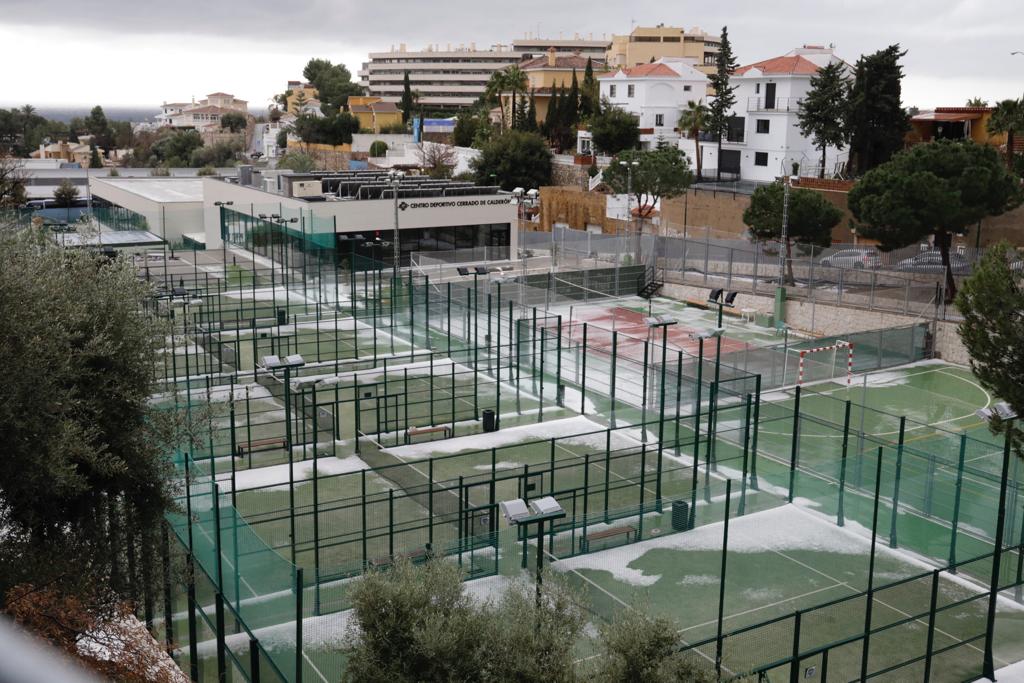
780 290
715 299
395 181
523 199
539 511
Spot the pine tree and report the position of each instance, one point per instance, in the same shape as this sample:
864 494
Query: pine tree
551 117
407 99
725 95
572 111
94 156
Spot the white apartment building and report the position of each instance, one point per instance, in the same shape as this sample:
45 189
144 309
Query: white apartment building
531 47
655 93
203 114
451 78
764 139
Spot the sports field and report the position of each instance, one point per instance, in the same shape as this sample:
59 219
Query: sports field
378 447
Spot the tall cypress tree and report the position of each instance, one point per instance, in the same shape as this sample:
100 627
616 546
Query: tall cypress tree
590 93
551 117
725 95
407 102
822 114
531 114
572 109
877 119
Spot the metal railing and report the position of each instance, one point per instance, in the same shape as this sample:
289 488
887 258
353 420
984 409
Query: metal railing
775 104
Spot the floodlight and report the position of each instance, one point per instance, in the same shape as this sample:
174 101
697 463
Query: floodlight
271 362
715 295
533 194
730 298
546 506
514 510
660 321
179 291
1002 410
294 361
518 191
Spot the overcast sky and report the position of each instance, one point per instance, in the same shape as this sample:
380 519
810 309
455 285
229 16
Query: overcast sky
127 52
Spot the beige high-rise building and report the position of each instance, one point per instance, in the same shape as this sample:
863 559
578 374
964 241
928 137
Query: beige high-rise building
647 44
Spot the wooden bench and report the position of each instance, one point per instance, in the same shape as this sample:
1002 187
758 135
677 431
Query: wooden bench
606 533
417 556
259 445
420 431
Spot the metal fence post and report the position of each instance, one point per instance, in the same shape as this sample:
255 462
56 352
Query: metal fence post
298 625
896 483
956 504
795 447
794 665
871 571
840 519
988 667
721 579
930 641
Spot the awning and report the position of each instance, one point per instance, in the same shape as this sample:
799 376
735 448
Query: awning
946 116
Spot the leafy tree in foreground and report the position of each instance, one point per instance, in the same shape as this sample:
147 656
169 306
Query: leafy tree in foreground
419 624
976 102
514 159
65 194
991 302
823 111
636 647
85 477
614 130
938 189
661 173
725 93
810 218
12 183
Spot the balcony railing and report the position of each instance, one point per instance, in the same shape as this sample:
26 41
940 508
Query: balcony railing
777 104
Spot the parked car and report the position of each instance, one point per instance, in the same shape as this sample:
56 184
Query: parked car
853 258
931 262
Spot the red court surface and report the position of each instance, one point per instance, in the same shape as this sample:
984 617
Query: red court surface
633 331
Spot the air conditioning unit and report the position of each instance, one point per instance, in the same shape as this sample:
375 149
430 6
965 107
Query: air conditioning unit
307 188
270 184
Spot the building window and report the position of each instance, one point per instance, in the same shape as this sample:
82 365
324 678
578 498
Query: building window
757 88
630 90
659 119
611 91
687 88
760 158
763 125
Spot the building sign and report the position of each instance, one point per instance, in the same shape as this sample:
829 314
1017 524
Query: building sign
454 203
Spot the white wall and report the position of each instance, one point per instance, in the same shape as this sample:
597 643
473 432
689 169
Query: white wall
361 141
168 220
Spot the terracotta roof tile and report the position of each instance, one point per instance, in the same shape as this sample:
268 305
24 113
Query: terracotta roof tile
782 65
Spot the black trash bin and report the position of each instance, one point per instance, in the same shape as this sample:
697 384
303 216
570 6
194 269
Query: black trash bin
490 421
680 515
282 316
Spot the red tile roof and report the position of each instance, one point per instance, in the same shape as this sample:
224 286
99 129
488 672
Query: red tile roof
782 65
963 110
646 71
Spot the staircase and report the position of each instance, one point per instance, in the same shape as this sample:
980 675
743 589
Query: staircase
650 283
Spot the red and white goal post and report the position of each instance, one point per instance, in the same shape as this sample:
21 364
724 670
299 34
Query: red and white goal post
834 348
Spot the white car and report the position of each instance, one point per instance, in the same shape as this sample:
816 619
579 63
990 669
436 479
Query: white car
853 258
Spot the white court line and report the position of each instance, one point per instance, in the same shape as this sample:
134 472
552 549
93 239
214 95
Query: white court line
318 672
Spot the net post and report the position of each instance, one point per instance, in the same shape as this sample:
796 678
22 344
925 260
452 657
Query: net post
756 429
643 393
298 624
721 580
254 660
611 391
930 642
871 570
643 486
794 666
607 471
840 511
558 368
795 447
316 508
586 499
988 667
896 486
583 379
746 454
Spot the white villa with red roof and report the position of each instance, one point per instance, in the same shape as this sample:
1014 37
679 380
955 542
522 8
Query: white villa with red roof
203 114
655 93
764 139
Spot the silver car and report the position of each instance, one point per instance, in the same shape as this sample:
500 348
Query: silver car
853 258
931 262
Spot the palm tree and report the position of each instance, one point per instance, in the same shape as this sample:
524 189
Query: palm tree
977 102
1008 118
497 84
516 82
692 121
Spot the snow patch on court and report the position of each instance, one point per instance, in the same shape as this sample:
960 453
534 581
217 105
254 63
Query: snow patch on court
502 465
278 474
698 580
570 426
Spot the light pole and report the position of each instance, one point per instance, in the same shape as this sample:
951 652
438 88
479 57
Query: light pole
780 290
395 180
523 198
539 511
629 166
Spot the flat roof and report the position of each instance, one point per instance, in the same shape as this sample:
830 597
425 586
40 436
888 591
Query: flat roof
116 239
163 190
